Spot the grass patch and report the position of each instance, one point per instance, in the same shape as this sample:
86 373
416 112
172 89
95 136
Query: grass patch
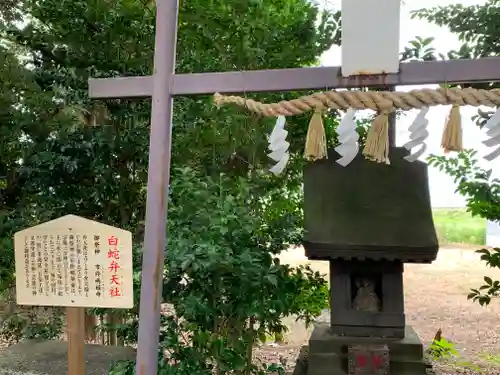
456 225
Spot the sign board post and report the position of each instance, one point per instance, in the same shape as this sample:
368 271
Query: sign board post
75 328
75 263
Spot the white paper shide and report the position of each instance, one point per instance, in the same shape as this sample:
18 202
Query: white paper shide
492 128
418 136
348 138
278 146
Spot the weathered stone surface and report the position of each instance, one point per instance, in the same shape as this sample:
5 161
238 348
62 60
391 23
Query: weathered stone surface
368 210
322 364
51 358
328 354
301 364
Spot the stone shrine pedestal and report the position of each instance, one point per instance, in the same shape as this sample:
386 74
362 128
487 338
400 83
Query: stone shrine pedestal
331 354
361 339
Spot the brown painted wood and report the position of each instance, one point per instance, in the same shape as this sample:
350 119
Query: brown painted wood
300 79
76 340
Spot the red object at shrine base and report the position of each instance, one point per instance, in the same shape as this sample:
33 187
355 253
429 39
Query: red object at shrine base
368 360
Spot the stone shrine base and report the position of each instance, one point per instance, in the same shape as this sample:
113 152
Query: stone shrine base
329 354
51 358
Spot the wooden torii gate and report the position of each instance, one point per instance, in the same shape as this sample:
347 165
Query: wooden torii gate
164 84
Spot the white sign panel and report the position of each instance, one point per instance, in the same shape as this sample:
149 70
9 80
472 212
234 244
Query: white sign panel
492 234
72 261
370 36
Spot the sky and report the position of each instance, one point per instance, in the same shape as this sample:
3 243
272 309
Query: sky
442 187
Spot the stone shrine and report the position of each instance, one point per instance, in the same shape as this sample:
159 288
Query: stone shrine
367 220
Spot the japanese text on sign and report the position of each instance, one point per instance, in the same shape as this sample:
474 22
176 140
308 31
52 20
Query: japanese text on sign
114 266
73 261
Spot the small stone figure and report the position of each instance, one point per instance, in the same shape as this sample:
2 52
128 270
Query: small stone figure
366 298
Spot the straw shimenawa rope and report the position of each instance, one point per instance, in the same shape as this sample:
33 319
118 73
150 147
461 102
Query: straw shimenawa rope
377 141
375 100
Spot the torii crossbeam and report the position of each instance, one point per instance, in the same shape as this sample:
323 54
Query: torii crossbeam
164 84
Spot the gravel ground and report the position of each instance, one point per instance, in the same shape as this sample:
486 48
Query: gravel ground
435 297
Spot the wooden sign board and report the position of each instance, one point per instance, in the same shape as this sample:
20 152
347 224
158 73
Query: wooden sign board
74 262
370 36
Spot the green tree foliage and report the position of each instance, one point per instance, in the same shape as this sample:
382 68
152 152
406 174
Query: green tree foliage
8 10
475 25
482 193
223 276
11 119
478 29
73 155
97 168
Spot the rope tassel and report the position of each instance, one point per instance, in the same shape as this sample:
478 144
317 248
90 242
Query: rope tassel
452 134
377 141
315 148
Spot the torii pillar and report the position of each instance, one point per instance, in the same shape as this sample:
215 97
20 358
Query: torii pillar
164 84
